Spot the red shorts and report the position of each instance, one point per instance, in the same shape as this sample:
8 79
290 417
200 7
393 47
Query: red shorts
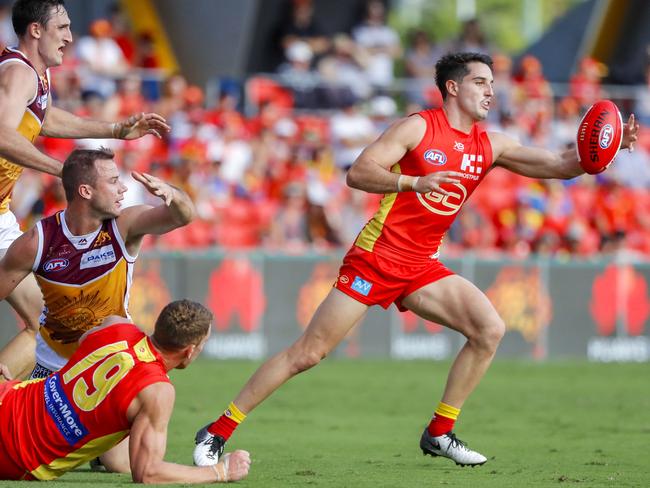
375 280
8 469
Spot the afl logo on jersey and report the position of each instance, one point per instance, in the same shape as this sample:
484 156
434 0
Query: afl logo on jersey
56 264
435 156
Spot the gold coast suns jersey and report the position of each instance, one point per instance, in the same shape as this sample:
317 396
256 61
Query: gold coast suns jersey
409 227
83 279
29 127
50 426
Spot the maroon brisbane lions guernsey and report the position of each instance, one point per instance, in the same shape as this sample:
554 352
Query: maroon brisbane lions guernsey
84 279
30 125
409 226
51 425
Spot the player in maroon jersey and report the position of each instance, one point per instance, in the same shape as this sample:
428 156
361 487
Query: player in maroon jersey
115 385
426 165
26 110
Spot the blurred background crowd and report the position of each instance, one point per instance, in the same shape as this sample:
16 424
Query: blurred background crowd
265 158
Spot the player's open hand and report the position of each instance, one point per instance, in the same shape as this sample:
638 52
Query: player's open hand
630 133
139 125
237 464
4 373
433 181
155 186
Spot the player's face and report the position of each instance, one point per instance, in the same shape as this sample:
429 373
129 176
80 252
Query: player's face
475 91
55 35
108 191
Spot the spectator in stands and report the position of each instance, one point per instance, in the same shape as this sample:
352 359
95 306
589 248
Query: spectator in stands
289 227
381 43
585 85
351 132
121 31
563 126
533 99
502 104
420 65
343 72
471 39
102 60
171 100
128 99
383 112
145 52
297 75
303 26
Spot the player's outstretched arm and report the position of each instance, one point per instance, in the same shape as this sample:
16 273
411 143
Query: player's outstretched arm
17 262
534 162
541 163
149 415
17 88
62 124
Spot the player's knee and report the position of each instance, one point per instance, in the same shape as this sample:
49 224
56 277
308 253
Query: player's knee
490 334
306 359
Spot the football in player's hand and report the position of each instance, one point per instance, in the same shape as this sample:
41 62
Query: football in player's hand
600 134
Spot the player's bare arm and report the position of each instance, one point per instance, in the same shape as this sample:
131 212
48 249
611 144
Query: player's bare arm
371 172
17 88
139 220
541 163
18 261
149 415
62 124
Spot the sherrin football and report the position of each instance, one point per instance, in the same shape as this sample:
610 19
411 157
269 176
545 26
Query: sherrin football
599 138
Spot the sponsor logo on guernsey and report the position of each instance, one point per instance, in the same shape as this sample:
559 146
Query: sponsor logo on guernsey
459 146
606 136
361 286
61 411
435 156
56 264
97 257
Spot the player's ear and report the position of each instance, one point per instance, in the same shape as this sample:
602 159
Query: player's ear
452 87
85 191
189 351
35 29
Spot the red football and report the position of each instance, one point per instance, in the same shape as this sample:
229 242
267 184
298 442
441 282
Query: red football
599 136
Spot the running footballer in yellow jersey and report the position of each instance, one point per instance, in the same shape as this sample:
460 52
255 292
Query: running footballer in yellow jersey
26 111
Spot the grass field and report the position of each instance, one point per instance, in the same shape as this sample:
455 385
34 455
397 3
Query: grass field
358 423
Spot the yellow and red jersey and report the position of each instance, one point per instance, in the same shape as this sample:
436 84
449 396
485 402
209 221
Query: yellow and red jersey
51 425
29 127
408 227
84 279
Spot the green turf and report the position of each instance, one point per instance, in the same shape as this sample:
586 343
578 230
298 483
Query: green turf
358 423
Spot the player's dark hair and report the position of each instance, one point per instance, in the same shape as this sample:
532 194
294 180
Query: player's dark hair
24 12
181 324
80 169
453 66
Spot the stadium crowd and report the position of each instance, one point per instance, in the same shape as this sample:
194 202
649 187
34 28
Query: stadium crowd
265 163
